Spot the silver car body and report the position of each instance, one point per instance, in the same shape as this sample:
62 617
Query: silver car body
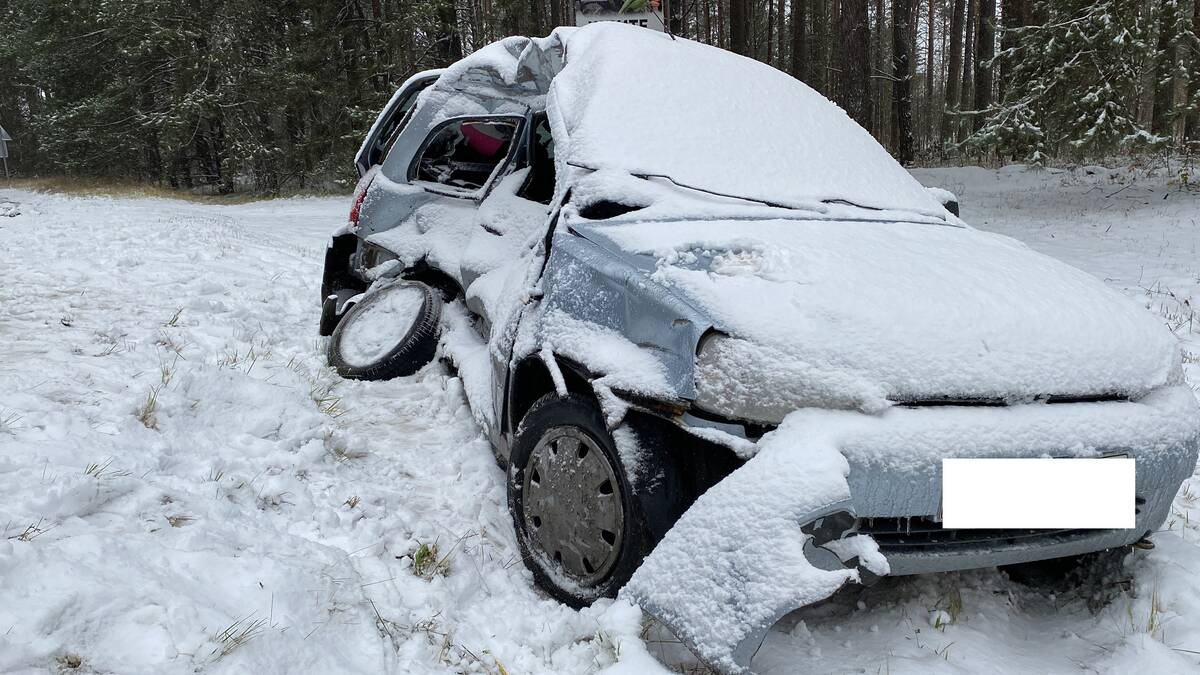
527 269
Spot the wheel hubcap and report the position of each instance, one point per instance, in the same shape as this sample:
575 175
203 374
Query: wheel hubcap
572 505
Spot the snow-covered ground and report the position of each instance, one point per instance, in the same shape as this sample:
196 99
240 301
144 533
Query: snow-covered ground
185 485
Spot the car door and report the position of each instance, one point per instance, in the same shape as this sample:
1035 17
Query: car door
428 207
391 121
506 256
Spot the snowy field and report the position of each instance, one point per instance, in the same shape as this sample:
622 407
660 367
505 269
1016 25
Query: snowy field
185 486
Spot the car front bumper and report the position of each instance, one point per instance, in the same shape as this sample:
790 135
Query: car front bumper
895 471
897 496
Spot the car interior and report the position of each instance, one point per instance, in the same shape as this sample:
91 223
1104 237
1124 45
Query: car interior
463 154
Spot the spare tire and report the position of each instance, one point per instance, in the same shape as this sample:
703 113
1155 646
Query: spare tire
391 332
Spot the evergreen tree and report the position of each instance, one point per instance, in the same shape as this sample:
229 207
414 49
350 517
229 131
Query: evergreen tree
220 95
1075 87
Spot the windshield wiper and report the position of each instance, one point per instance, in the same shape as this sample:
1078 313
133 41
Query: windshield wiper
815 207
847 202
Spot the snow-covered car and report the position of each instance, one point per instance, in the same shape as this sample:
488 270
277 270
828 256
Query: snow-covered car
651 260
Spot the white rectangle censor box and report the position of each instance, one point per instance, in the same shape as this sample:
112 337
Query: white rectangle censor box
1038 493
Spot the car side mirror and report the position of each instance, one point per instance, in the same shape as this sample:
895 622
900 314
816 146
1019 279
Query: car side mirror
946 198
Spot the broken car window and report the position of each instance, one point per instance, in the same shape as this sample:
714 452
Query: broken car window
539 186
464 153
391 129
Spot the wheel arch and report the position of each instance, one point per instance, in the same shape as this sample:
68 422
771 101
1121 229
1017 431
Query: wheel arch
435 278
704 462
531 379
337 272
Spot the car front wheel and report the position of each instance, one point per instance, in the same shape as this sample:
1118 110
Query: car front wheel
582 524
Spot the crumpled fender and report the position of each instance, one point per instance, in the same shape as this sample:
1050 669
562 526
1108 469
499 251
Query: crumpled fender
774 536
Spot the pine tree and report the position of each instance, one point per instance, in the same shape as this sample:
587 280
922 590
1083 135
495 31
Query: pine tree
1074 89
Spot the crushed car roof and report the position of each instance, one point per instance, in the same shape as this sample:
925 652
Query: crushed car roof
625 98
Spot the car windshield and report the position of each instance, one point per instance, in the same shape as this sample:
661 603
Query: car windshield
637 101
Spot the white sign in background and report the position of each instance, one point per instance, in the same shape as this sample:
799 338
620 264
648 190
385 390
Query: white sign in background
1038 493
644 13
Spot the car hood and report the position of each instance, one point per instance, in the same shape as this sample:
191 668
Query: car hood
865 314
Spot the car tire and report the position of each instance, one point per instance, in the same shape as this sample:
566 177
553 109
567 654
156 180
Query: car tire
605 523
406 326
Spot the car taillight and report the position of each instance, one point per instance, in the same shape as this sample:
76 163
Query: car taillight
357 208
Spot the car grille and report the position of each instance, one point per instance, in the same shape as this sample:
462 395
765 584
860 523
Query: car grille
925 532
996 402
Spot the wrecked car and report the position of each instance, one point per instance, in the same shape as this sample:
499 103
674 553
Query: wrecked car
719 338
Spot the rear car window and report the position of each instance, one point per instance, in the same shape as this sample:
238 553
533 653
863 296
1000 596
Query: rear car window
463 154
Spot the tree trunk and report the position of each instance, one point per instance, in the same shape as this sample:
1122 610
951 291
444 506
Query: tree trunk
817 72
1164 81
966 100
673 10
722 33
929 116
954 74
449 43
985 50
738 33
902 83
1012 16
781 35
705 23
1148 13
799 40
1180 72
879 86
770 32
1192 126
855 61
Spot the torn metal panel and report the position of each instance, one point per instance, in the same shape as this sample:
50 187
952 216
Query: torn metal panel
595 285
755 547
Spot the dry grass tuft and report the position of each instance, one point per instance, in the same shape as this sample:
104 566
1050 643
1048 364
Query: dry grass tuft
32 531
952 604
167 371
101 471
327 402
166 341
426 562
8 421
108 187
337 448
146 413
237 634
179 521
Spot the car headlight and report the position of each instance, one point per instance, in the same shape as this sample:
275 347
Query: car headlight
740 379
733 381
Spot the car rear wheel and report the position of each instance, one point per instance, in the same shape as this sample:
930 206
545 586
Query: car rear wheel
582 526
392 332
